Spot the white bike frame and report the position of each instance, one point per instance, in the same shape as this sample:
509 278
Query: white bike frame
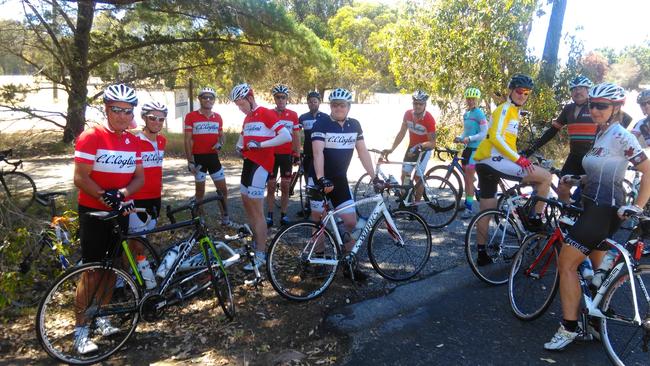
415 172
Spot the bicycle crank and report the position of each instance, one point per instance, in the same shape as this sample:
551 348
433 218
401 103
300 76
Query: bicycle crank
152 307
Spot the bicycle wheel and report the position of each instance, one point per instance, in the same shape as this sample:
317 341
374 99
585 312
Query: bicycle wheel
302 261
59 312
364 189
143 246
399 260
440 204
623 340
19 189
456 180
502 240
534 277
221 285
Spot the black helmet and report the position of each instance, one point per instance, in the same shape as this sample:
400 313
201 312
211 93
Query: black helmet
313 94
521 81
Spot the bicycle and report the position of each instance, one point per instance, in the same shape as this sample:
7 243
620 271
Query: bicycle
439 203
615 305
303 257
453 172
124 306
296 179
17 187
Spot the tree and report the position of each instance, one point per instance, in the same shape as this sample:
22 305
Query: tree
626 73
595 66
552 44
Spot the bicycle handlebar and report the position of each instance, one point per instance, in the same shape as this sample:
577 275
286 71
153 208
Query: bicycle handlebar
451 152
555 203
192 205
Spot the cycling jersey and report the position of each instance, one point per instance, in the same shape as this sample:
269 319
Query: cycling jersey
642 128
501 139
205 131
474 126
260 125
289 119
419 129
606 164
339 144
580 127
152 160
307 121
113 157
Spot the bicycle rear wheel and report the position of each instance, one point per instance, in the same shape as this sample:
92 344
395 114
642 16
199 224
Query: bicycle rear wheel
302 261
440 205
623 340
60 312
502 239
534 277
450 174
363 189
19 189
399 260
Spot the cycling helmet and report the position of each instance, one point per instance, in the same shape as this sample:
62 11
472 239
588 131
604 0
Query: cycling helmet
472 93
280 89
208 90
153 106
120 93
340 94
580 81
643 96
313 94
420 95
240 91
608 91
521 81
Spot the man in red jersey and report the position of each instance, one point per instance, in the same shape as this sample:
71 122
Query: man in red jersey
203 141
261 133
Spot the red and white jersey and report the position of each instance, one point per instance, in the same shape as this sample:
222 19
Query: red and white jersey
419 128
113 157
260 125
205 131
152 153
289 119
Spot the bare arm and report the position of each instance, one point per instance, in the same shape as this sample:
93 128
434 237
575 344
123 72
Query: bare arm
295 142
431 143
83 181
319 159
644 188
188 146
399 137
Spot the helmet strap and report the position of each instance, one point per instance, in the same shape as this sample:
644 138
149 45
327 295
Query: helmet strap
511 100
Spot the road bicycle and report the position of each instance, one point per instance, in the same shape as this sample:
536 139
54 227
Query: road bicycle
303 258
439 203
18 188
453 172
119 295
621 304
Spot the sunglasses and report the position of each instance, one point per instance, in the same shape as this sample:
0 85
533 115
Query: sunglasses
118 110
419 103
153 118
522 91
643 104
280 96
338 105
599 106
206 97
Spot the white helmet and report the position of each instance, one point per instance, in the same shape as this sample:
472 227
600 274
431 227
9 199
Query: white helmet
240 91
580 81
340 94
120 93
608 91
153 106
208 90
420 95
280 89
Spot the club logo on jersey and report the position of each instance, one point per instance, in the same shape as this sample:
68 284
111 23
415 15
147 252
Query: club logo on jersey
151 159
127 141
308 124
114 161
417 129
257 129
340 140
205 128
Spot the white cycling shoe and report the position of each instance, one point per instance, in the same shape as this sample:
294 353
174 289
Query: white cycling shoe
561 339
104 327
82 344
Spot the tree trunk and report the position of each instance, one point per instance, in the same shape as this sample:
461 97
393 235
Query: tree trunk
553 36
79 72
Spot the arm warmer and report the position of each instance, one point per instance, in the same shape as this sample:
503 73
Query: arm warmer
282 137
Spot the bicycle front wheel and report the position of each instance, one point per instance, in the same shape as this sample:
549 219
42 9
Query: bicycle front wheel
88 296
623 340
534 277
302 261
364 189
501 239
456 180
440 205
399 253
19 189
221 285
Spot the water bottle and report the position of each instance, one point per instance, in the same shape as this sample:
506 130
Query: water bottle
167 262
586 270
361 223
146 272
606 265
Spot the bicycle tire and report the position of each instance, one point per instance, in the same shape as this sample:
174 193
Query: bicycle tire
19 188
627 349
441 202
507 232
288 267
222 290
531 290
457 181
56 315
363 188
412 228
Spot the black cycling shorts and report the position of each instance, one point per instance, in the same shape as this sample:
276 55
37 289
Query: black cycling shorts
210 164
488 180
573 165
340 196
308 167
96 236
253 180
284 163
596 224
467 156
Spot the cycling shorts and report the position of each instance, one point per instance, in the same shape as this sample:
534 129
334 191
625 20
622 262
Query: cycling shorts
284 163
253 180
209 164
468 156
96 236
596 224
573 165
490 170
138 221
307 167
410 158
340 196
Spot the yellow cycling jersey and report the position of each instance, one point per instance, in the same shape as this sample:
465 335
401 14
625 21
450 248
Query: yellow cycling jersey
501 139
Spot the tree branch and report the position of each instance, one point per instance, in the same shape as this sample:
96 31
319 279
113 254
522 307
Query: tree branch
34 113
49 30
63 14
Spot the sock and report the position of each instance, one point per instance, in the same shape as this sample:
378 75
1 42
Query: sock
283 214
570 325
469 199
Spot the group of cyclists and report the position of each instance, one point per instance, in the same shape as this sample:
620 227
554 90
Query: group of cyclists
118 170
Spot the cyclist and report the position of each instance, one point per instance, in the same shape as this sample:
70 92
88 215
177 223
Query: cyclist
261 133
307 121
107 170
422 135
496 157
642 128
285 154
333 142
605 166
576 118
203 141
474 130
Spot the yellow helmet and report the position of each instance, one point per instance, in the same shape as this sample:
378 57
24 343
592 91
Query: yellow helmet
472 93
